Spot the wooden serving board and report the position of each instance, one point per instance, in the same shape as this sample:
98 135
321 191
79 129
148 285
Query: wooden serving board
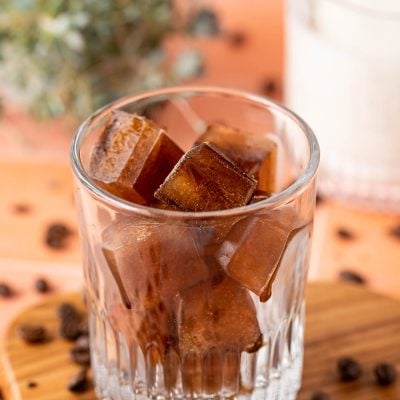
342 320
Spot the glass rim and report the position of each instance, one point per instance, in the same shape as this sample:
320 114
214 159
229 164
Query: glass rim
370 11
282 197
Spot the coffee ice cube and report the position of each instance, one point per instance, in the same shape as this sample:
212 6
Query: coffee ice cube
252 250
151 329
133 157
152 262
255 154
217 315
205 180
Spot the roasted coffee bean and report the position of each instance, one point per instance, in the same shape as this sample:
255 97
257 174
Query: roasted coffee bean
5 290
42 286
385 374
351 276
319 395
395 232
83 341
79 383
348 369
70 328
344 234
21 208
237 39
319 199
269 87
68 310
31 384
80 355
56 235
84 329
33 333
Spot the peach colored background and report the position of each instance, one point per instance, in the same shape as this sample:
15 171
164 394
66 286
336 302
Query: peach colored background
34 171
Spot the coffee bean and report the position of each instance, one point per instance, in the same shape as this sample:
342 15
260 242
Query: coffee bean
319 395
42 286
68 310
56 235
351 276
395 232
237 39
21 208
348 369
84 329
385 374
83 342
31 384
70 328
33 333
344 234
319 199
79 383
80 355
1 395
5 290
269 87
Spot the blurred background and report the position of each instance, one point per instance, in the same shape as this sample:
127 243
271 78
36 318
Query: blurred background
61 60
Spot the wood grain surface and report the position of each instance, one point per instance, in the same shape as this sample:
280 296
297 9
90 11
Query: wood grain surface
342 320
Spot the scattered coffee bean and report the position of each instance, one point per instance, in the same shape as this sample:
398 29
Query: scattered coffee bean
31 384
70 329
83 341
21 208
349 369
56 235
319 395
351 276
80 355
237 39
84 329
33 333
385 374
319 199
68 310
269 87
42 286
395 232
79 383
5 290
344 234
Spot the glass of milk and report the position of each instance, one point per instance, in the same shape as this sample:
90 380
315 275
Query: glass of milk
343 78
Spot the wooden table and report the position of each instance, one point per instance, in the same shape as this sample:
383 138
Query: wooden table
342 320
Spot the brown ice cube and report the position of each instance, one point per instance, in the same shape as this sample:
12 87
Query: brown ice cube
255 154
152 329
152 262
133 157
252 250
205 180
217 315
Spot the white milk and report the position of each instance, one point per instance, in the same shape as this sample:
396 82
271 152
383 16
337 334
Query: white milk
343 78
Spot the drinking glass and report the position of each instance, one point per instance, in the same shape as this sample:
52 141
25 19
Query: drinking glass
199 304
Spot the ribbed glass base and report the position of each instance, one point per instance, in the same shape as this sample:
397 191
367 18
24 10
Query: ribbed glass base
273 372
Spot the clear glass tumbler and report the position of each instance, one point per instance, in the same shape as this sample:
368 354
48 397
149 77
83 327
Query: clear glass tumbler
207 304
343 77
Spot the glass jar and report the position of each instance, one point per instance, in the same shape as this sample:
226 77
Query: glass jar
343 77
